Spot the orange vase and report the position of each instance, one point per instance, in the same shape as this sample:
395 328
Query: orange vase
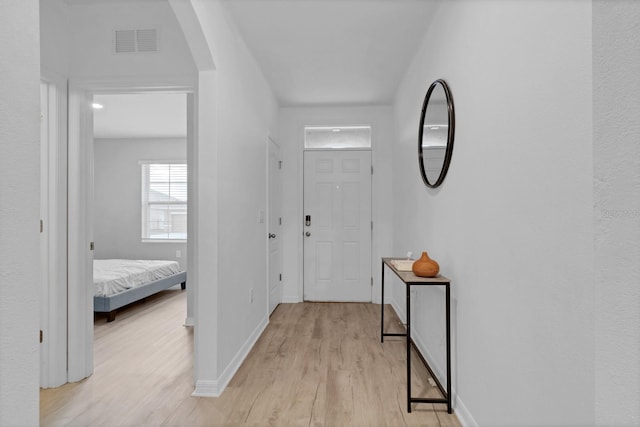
425 266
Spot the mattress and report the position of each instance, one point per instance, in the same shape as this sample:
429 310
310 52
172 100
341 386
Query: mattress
112 276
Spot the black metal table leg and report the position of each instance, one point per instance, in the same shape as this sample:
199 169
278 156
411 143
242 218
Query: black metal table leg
382 306
408 308
448 314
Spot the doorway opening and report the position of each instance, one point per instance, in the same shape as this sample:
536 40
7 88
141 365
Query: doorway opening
81 196
338 227
140 196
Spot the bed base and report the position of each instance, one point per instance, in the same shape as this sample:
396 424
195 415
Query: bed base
112 303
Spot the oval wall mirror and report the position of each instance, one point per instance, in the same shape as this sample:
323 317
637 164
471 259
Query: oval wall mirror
435 135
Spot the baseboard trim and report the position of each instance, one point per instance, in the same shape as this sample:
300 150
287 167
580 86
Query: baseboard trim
461 411
206 388
437 369
189 321
399 312
290 299
463 414
242 354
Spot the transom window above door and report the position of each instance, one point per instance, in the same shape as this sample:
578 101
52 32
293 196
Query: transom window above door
337 137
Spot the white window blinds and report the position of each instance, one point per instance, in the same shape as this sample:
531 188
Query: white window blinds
164 201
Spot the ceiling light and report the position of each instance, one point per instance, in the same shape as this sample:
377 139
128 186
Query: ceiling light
335 130
97 106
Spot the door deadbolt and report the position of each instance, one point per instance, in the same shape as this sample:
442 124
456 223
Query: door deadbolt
307 234
272 236
307 220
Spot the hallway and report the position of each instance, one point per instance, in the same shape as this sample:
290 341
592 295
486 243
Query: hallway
315 364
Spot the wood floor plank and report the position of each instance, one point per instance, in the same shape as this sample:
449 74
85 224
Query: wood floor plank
316 364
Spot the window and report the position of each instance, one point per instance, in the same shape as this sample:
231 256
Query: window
164 201
336 137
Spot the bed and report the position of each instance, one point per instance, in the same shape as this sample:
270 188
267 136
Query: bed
119 282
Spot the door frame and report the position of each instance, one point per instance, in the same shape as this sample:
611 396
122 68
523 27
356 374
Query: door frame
271 141
301 212
53 296
80 300
79 234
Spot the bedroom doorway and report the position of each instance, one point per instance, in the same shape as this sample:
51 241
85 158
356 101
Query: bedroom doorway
141 217
82 170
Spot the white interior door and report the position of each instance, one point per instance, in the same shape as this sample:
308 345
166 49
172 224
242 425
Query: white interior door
275 226
80 235
53 235
337 225
44 233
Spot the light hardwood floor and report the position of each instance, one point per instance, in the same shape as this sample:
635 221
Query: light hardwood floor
316 364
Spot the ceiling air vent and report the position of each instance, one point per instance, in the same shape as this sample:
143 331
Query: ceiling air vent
132 41
147 40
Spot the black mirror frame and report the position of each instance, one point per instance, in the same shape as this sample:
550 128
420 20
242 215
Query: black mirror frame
450 134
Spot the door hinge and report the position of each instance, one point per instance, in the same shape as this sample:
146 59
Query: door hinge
91 246
371 169
371 225
41 226
280 221
279 164
372 282
281 277
41 336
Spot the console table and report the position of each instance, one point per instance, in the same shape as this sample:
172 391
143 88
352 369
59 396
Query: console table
410 279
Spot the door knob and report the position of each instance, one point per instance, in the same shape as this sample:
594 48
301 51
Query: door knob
307 234
272 236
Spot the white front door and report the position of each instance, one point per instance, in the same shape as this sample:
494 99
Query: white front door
275 226
337 225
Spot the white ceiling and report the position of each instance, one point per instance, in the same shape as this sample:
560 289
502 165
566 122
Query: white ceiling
332 52
151 115
312 52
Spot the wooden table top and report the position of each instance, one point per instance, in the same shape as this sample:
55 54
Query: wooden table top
411 279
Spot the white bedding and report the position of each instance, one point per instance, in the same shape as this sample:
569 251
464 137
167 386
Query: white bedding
111 276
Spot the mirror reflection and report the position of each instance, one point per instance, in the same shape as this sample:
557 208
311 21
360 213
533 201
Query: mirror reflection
436 134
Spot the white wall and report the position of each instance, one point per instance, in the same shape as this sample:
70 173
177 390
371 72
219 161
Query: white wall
78 46
512 224
19 212
291 125
117 186
55 37
91 45
232 172
616 150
